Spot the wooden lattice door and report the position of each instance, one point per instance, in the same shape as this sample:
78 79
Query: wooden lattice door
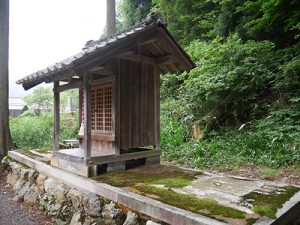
101 109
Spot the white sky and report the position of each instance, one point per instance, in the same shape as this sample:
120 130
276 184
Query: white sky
43 32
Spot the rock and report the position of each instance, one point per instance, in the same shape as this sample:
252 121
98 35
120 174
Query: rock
15 166
24 189
76 198
149 222
32 175
112 214
33 195
40 181
58 190
12 178
92 204
93 221
131 219
24 173
76 219
18 185
18 199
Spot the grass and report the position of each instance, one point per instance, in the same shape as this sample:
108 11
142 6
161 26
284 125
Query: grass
191 203
267 205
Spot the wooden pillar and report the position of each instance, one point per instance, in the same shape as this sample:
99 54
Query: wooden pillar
56 116
157 107
116 107
87 117
80 106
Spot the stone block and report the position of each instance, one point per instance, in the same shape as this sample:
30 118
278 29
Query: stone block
116 166
152 160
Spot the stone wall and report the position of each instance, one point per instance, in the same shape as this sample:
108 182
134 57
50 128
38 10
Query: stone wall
67 205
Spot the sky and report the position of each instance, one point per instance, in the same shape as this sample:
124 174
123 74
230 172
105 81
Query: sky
43 32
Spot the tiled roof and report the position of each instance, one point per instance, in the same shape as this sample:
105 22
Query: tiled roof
91 47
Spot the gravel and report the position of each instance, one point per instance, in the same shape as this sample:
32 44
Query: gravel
15 213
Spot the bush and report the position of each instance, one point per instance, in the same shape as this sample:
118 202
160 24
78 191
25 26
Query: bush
31 131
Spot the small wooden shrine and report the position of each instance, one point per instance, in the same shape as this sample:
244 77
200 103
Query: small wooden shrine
118 82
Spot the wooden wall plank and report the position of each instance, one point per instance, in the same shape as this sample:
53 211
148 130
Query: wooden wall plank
135 108
150 104
157 107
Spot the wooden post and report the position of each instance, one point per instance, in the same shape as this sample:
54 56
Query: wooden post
87 117
56 116
80 105
157 107
116 107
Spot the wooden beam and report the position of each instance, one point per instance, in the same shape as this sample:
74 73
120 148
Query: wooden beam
101 81
166 59
62 76
87 117
101 70
123 157
137 57
73 84
56 116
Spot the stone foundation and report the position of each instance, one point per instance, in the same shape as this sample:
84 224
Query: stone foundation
66 204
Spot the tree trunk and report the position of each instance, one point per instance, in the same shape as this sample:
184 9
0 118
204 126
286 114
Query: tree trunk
5 137
110 17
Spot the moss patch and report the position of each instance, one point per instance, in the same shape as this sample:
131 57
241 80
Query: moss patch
143 180
267 205
171 177
191 203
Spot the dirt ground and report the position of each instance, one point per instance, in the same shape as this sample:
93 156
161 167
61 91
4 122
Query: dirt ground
18 213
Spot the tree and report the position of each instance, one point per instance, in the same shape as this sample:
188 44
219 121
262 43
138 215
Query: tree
41 99
110 17
189 20
134 11
5 137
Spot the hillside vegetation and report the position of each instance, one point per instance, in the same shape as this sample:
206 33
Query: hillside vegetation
244 94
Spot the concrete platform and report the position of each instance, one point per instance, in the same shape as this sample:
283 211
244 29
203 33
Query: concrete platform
225 190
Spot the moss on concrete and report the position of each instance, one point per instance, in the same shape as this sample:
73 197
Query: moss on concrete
191 203
169 176
267 205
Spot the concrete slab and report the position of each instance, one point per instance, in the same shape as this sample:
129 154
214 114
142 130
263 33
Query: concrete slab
225 190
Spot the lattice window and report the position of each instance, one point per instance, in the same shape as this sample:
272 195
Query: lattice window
101 105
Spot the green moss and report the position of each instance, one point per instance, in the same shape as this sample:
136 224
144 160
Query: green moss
191 203
166 175
251 221
267 205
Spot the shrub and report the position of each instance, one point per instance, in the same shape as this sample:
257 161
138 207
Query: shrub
31 131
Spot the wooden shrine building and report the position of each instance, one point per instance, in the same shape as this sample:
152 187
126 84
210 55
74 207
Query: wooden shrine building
118 82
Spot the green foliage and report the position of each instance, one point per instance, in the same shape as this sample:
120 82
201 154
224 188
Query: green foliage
133 11
40 99
189 20
233 72
31 131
